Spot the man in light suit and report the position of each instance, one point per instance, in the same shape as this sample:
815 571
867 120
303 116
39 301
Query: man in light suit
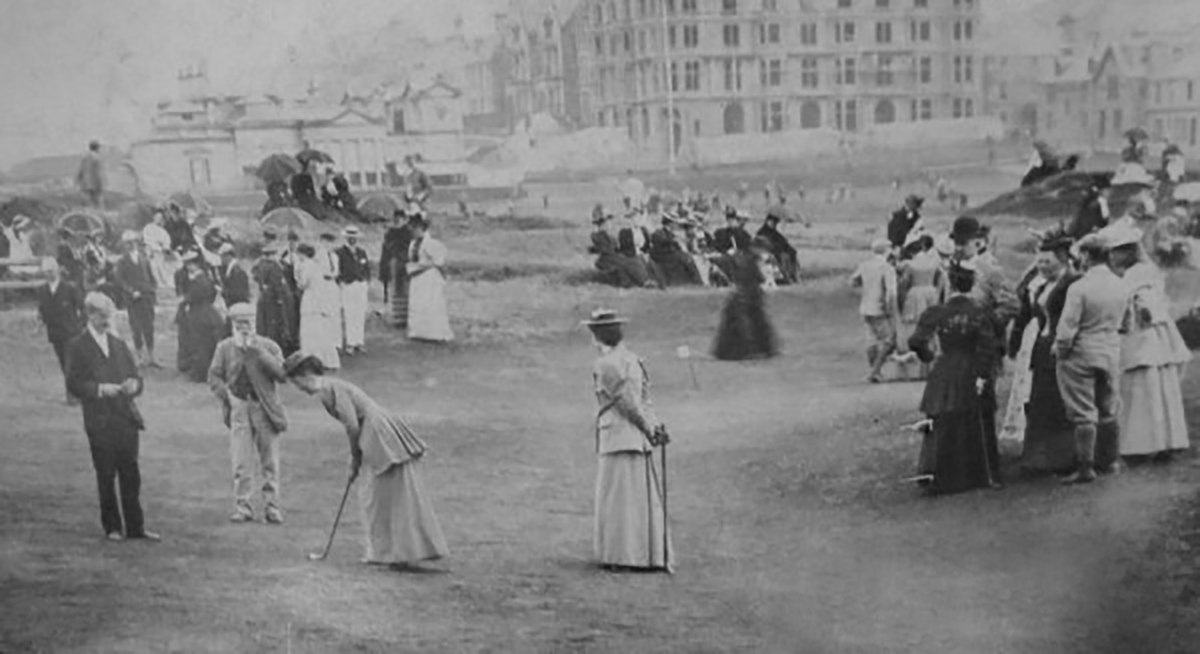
102 374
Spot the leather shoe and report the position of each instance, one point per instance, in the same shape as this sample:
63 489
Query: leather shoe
148 535
274 516
115 536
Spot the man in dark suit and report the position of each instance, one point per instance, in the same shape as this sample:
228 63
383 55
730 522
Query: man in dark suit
733 237
235 283
354 275
904 220
101 373
784 253
60 306
135 280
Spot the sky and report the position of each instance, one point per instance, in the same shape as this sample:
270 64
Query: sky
74 70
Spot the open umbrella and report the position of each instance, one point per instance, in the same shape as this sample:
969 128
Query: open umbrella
278 168
83 223
290 219
309 154
1136 134
189 200
379 205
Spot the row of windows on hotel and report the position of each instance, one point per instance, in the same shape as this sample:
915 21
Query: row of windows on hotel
844 32
773 117
649 8
643 80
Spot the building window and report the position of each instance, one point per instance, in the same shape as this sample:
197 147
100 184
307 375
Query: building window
1191 90
689 6
810 115
1002 90
885 112
882 4
671 36
968 30
771 6
845 72
808 34
398 121
600 46
1114 88
691 76
734 118
598 19
674 77
600 119
1117 121
922 109
612 12
844 4
772 116
670 6
731 35
691 36
809 77
883 74
628 38
846 115
642 41
956 110
1157 93
200 172
729 7
843 32
883 32
963 70
921 4
921 32
968 107
733 75
627 11
768 33
957 30
771 73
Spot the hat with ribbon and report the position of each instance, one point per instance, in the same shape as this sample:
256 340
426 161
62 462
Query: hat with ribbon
604 317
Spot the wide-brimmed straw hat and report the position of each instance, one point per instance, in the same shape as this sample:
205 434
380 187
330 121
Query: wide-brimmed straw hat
604 317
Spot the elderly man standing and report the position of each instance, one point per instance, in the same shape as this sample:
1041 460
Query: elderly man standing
354 271
243 375
880 305
135 278
101 373
1087 345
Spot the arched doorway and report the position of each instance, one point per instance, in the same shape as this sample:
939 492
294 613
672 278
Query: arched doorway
735 118
810 115
885 112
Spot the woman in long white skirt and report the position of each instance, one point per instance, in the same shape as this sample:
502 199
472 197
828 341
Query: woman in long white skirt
428 319
401 527
320 305
1020 347
630 528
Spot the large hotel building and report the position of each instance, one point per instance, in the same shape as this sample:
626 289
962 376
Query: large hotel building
738 66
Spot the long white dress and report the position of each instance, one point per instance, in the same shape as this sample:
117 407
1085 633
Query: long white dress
1022 379
428 319
320 308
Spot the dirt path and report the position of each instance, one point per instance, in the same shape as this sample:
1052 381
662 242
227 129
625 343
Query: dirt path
792 530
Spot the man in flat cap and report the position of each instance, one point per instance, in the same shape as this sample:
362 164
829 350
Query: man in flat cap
244 372
134 276
354 271
102 374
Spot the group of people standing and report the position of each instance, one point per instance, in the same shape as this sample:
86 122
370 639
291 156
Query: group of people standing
1098 359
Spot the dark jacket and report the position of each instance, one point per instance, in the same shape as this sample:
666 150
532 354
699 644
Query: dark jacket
731 238
235 285
902 222
353 265
779 243
61 311
967 339
1089 218
103 417
626 244
133 278
395 249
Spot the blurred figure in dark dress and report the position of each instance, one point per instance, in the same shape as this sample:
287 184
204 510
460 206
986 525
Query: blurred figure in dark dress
745 331
615 268
673 263
200 325
276 303
962 453
781 250
393 269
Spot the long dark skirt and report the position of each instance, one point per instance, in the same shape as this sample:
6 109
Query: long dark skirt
677 269
399 296
1049 436
622 271
204 328
745 331
961 453
274 322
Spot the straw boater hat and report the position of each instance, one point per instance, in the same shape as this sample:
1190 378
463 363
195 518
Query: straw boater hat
604 317
241 310
1119 236
352 232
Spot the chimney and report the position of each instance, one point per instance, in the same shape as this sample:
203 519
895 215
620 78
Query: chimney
193 82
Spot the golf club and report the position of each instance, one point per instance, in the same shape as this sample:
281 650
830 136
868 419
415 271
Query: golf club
320 556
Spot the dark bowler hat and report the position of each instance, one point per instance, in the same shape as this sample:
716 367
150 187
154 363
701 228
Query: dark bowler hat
914 201
965 228
604 317
1055 243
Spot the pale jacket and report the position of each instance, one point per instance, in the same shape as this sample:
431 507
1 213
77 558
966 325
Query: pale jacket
626 414
385 440
877 278
227 363
1089 329
1151 337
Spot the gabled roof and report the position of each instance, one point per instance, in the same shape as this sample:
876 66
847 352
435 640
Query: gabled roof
417 89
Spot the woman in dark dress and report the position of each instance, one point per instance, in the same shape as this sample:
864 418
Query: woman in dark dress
200 326
615 268
1049 436
275 301
965 454
745 331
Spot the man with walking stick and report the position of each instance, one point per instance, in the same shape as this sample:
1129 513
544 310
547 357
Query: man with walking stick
630 519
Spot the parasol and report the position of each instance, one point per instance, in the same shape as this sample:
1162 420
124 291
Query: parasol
379 205
309 154
1189 192
290 219
82 223
189 200
278 168
1136 134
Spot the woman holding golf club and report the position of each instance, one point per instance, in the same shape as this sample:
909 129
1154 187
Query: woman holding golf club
401 526
630 529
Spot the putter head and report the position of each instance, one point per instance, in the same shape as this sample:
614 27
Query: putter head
316 556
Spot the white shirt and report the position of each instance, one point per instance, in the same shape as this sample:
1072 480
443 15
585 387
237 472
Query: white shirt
157 239
101 339
54 286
